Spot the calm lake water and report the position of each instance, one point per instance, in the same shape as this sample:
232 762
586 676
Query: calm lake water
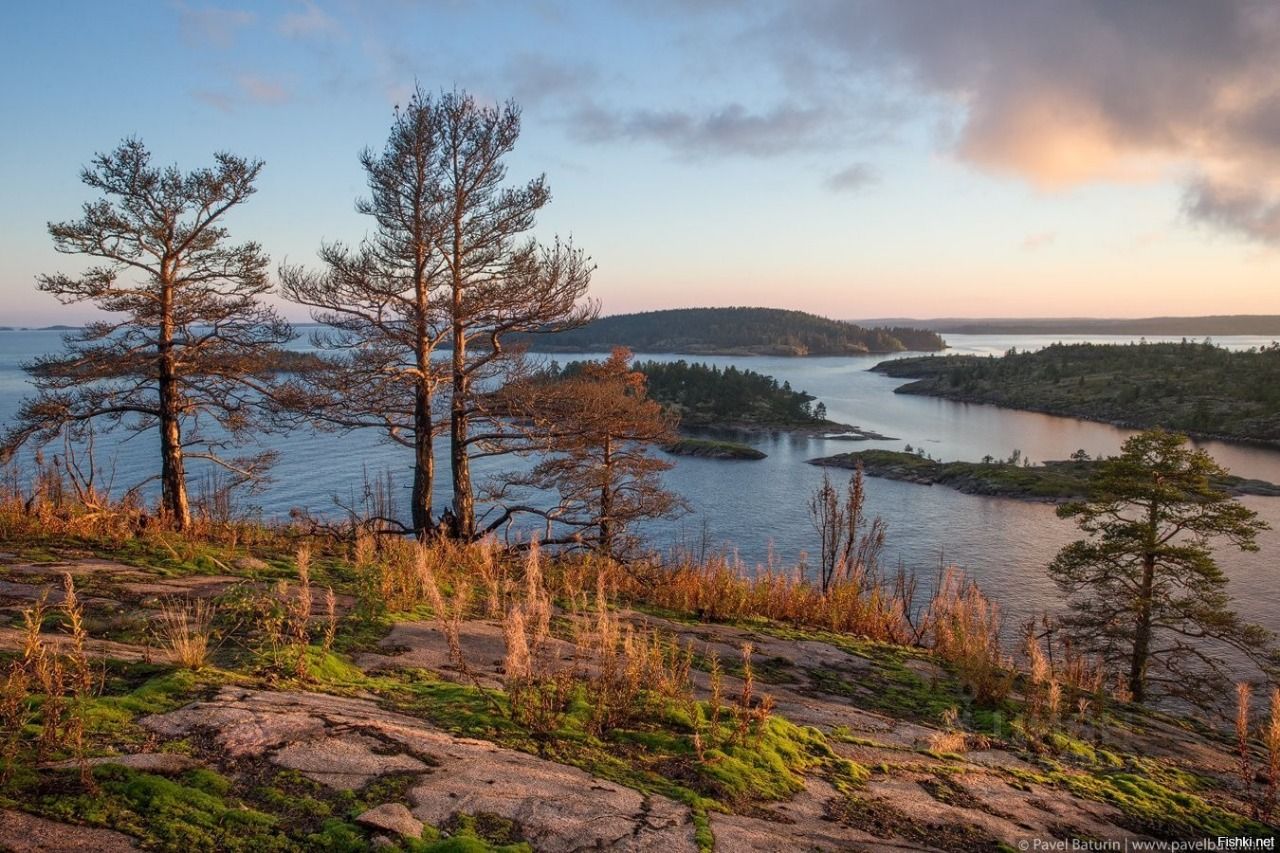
759 508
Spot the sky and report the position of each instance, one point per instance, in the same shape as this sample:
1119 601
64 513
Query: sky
855 158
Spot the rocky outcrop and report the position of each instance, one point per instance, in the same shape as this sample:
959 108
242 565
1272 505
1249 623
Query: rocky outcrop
346 742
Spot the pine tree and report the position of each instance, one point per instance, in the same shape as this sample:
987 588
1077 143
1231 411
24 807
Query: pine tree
1144 588
187 345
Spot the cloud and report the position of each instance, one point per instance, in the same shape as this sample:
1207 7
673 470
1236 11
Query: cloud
1242 209
1039 240
533 78
852 178
211 25
248 89
260 90
728 129
1064 92
310 21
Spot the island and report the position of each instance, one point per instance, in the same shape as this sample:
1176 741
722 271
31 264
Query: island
712 449
1053 481
1199 389
735 331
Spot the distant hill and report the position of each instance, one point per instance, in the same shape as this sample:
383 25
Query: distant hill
1217 324
737 331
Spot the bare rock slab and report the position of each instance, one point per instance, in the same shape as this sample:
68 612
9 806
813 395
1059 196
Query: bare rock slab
558 808
392 817
24 833
346 742
345 762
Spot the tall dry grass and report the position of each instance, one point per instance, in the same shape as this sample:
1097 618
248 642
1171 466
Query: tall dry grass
184 628
1271 741
51 684
860 602
1244 758
963 628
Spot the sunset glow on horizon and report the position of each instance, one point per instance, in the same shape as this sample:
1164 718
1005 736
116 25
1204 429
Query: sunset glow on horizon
854 159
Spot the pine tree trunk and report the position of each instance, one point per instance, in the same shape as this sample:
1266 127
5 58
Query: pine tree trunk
173 477
606 501
463 499
1142 634
423 464
1142 631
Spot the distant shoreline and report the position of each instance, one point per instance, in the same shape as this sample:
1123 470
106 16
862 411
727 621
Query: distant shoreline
1207 325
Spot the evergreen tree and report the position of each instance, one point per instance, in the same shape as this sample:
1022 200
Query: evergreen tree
187 348
1145 591
600 425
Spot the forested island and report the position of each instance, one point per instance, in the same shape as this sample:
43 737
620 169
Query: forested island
1059 480
736 331
1196 388
707 398
1217 324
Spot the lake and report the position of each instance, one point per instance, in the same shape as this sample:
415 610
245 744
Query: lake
758 509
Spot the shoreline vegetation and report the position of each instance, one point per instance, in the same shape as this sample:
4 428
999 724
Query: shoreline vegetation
1050 481
735 331
1198 389
285 688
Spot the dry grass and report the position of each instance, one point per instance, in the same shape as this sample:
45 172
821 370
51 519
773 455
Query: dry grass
1271 742
1244 762
859 602
964 629
184 628
64 497
623 673
300 612
51 686
330 618
950 739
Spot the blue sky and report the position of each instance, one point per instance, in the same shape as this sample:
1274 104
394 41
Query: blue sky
855 158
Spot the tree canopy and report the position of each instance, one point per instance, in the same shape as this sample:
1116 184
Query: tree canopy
188 345
1144 589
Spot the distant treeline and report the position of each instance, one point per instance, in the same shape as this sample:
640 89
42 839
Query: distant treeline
708 396
1191 387
737 331
1221 324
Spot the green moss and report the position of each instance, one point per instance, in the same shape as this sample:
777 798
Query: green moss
190 813
1160 810
337 836
702 834
1156 799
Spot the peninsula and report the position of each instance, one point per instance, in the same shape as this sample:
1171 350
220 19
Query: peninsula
1195 388
1051 481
